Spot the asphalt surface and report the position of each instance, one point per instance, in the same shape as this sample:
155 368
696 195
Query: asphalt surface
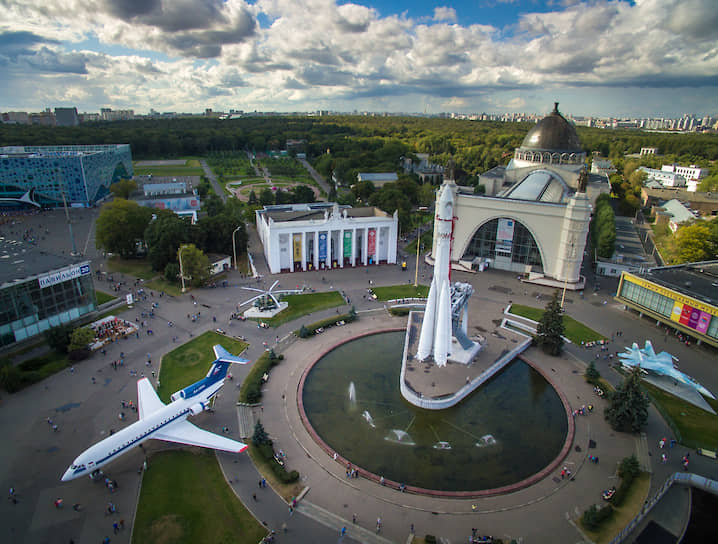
34 457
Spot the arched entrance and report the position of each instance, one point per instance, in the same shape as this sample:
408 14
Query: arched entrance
505 239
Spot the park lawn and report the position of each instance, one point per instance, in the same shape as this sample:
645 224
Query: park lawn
304 304
166 171
185 499
139 268
698 428
625 513
573 330
103 297
286 491
392 292
190 362
161 284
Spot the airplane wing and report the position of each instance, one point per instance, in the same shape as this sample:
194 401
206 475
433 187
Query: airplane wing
226 357
147 400
183 432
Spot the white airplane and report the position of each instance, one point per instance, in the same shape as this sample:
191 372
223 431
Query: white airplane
164 422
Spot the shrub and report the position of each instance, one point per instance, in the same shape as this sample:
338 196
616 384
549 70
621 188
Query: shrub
629 467
430 539
58 338
594 516
10 378
592 374
303 332
311 330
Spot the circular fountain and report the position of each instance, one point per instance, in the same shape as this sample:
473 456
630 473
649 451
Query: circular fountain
509 430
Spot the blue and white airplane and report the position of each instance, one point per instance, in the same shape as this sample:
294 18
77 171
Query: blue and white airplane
164 422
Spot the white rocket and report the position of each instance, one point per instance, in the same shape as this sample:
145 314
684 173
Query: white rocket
435 338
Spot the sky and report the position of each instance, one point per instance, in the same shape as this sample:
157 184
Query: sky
602 58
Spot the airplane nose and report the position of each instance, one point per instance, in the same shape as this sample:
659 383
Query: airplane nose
67 476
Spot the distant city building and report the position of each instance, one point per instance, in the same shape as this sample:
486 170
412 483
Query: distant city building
705 204
667 179
89 117
649 151
40 175
16 117
673 213
378 179
44 118
325 235
692 174
108 114
66 117
427 171
39 291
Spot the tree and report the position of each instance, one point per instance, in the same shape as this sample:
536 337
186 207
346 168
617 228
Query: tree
120 226
252 198
266 197
123 188
260 436
58 338
164 236
628 411
549 332
172 272
592 374
80 340
303 194
695 243
195 264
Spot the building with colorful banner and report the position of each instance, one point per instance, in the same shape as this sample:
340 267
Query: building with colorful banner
40 291
325 235
682 297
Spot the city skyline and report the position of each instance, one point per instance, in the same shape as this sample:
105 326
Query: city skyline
648 58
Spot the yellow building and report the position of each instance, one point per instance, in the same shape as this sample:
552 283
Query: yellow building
682 297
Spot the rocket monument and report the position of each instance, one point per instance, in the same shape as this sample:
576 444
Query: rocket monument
444 326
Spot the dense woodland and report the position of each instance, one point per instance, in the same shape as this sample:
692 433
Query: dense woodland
347 144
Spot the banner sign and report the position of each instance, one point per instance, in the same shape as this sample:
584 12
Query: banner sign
678 297
69 273
322 246
348 244
371 243
297 247
691 317
505 236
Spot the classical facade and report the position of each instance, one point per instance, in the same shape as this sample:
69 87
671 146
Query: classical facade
534 217
325 235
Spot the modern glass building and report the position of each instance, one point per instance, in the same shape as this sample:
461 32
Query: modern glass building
40 291
683 297
38 176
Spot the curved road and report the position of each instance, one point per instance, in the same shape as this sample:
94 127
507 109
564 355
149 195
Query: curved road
216 185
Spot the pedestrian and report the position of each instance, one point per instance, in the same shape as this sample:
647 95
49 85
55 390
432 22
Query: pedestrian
411 529
115 527
378 525
264 482
76 507
354 518
343 531
254 496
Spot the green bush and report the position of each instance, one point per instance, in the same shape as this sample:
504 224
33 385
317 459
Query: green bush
311 330
593 517
592 374
398 312
11 378
430 539
251 390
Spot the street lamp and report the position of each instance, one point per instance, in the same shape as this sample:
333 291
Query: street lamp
179 254
234 247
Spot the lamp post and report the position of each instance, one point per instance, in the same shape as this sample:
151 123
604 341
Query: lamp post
67 213
416 272
179 254
234 247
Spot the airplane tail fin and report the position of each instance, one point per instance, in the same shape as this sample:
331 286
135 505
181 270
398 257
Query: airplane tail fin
224 359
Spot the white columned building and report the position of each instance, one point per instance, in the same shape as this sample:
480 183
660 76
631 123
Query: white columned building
324 235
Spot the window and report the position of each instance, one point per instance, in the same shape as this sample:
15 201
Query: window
524 249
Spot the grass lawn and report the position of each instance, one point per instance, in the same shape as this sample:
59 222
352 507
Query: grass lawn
38 368
185 498
103 297
286 491
391 292
698 428
308 303
621 516
169 170
161 284
139 268
191 361
573 330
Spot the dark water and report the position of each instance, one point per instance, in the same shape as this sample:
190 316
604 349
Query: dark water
509 429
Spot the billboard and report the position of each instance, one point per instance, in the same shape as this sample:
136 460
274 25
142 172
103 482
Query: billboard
65 274
505 236
348 244
371 243
322 246
297 239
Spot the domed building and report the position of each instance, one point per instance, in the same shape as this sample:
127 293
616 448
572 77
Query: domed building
533 218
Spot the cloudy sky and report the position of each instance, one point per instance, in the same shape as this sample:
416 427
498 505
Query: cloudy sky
604 58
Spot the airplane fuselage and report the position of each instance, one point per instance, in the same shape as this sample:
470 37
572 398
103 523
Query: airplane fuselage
130 437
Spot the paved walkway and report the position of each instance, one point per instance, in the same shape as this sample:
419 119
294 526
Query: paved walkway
34 457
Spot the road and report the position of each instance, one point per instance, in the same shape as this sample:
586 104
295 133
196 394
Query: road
316 176
216 185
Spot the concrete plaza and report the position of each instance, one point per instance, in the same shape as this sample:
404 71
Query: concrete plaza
34 457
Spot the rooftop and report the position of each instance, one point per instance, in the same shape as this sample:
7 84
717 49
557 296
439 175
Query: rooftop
20 260
697 280
553 133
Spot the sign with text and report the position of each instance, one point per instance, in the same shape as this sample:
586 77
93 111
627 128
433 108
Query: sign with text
69 273
348 244
297 247
322 246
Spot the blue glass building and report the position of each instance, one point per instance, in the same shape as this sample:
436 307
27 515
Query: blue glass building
38 176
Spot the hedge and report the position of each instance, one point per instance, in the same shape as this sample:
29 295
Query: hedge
251 390
305 331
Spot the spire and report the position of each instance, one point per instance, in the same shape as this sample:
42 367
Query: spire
555 107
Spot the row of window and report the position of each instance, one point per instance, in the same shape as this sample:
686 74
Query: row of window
523 248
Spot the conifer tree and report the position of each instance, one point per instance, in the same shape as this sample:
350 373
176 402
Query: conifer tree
628 411
549 332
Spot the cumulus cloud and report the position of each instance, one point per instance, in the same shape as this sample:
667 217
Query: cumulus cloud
185 52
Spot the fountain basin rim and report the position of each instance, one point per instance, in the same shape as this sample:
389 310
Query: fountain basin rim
510 488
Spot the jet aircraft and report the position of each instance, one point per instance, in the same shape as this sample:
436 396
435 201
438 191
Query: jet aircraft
164 421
